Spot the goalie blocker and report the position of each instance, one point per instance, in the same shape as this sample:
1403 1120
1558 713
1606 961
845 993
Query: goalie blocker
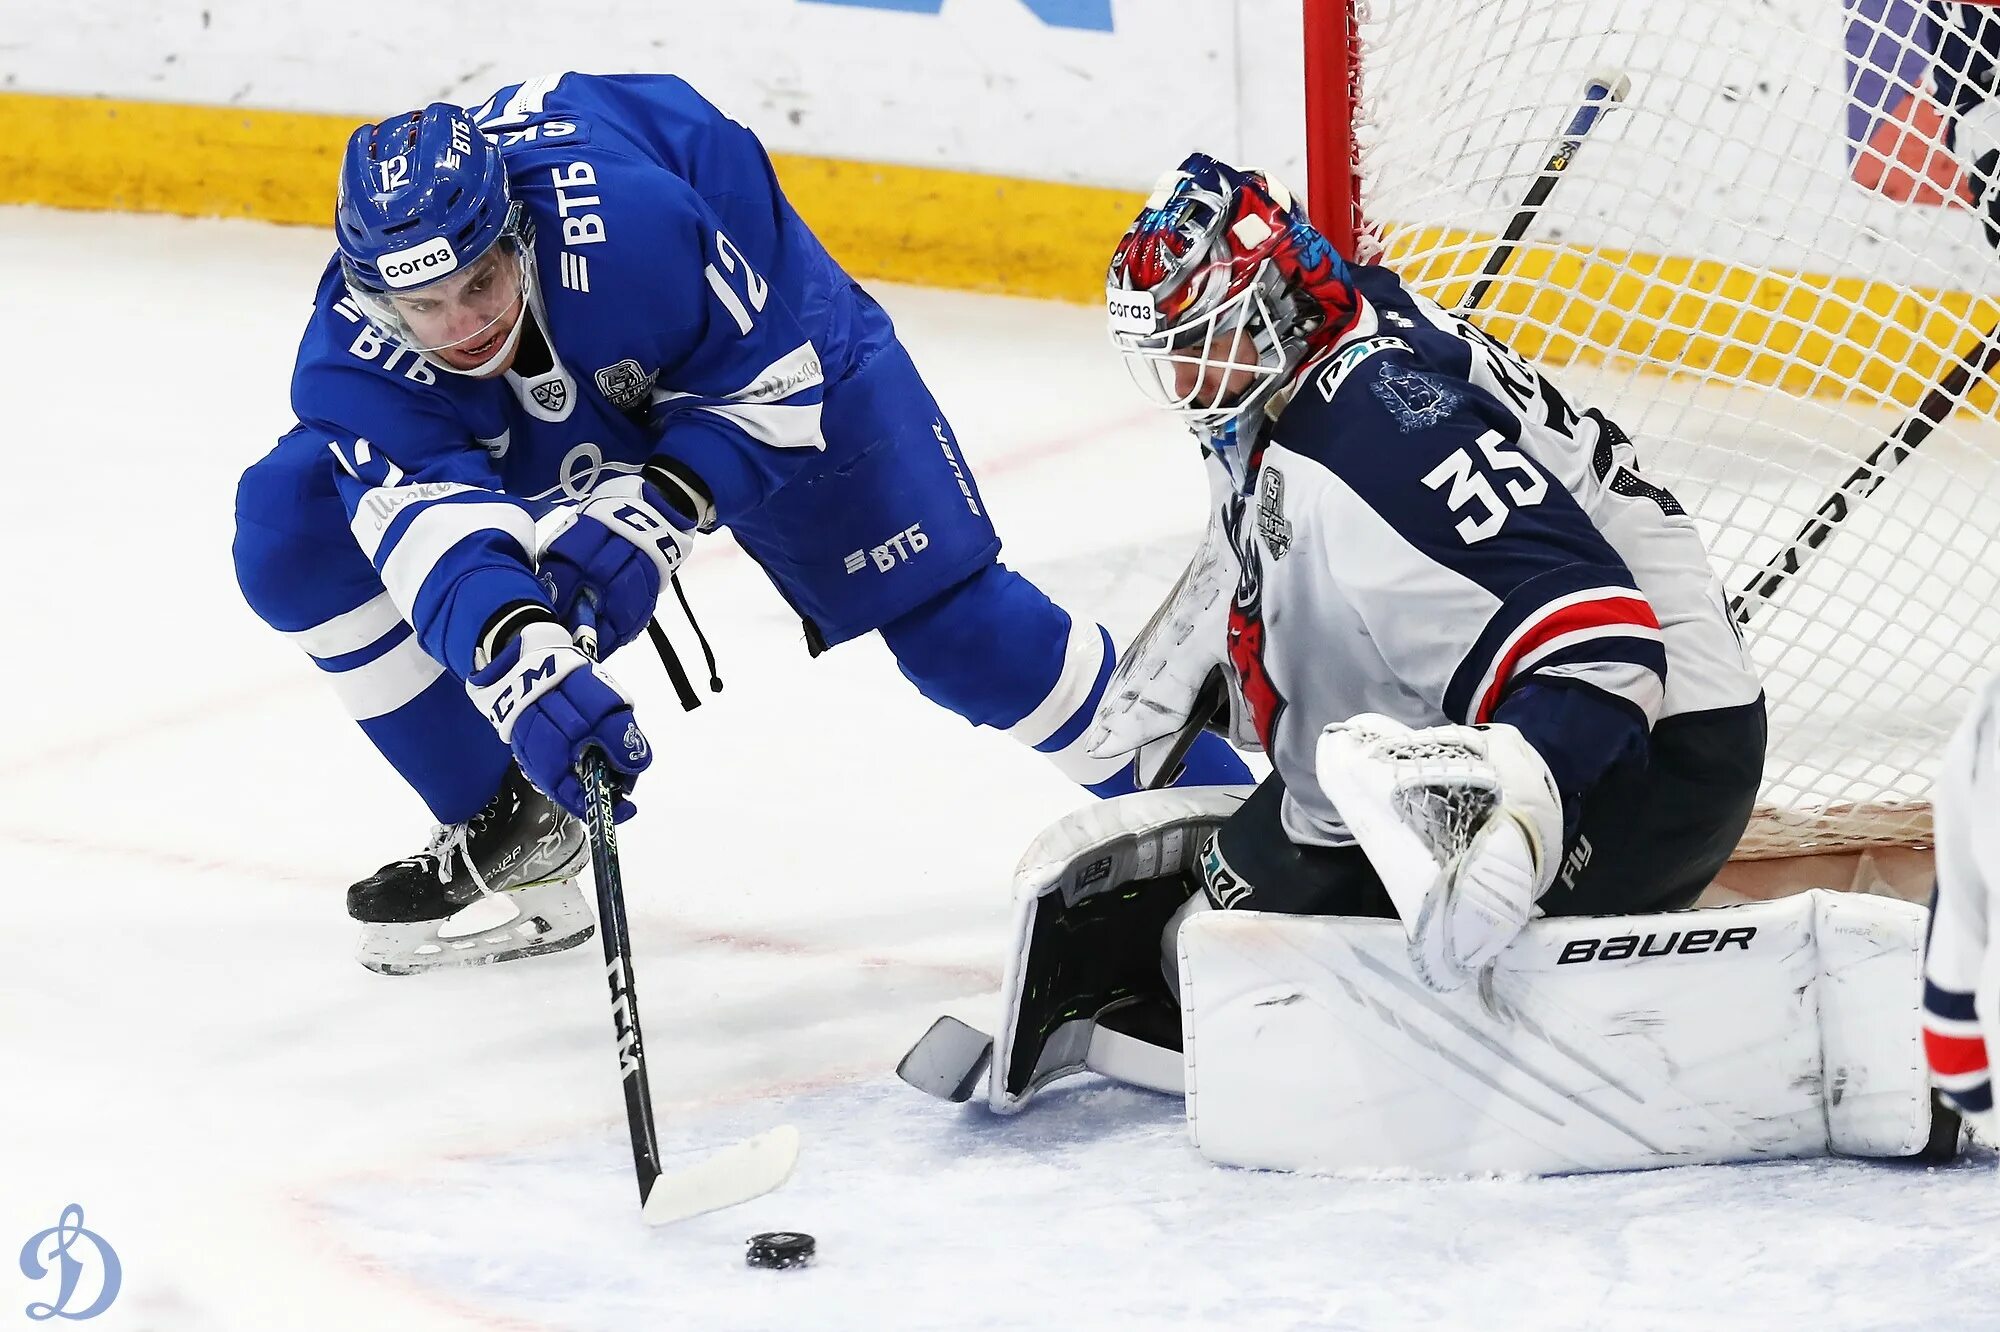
1779 1029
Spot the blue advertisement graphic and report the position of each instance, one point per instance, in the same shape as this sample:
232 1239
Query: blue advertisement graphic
69 1252
1089 15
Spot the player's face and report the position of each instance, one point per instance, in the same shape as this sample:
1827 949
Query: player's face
1218 372
465 318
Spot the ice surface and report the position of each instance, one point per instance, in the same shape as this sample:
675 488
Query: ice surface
273 1138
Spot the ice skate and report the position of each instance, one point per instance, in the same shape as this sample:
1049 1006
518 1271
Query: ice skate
501 885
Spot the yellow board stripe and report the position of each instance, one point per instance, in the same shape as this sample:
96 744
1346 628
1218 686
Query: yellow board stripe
902 224
1804 333
1807 334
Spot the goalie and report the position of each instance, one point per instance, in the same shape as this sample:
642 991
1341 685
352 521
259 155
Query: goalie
1490 663
1496 679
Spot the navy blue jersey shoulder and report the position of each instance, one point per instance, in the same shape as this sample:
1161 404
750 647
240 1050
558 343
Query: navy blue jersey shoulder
1393 400
1395 416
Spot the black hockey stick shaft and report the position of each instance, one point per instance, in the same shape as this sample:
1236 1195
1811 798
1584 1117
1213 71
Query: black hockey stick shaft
1600 94
600 803
1939 402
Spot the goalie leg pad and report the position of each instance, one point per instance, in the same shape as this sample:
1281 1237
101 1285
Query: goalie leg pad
1781 1029
1084 986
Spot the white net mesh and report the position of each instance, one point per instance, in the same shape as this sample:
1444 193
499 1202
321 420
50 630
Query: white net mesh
1757 265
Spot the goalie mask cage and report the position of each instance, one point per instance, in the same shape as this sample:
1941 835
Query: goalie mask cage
1758 264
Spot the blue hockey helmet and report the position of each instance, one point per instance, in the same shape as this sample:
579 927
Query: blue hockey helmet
432 245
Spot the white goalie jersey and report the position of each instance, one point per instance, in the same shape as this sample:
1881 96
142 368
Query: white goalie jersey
1959 955
1429 525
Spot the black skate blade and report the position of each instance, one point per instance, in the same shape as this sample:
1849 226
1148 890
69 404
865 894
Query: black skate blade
948 1061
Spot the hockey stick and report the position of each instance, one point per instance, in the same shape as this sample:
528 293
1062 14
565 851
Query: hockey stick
737 1173
1601 92
1939 402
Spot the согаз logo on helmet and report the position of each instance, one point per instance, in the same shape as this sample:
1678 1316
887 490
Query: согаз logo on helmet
1131 311
420 263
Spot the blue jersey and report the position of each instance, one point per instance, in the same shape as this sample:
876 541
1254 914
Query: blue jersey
690 315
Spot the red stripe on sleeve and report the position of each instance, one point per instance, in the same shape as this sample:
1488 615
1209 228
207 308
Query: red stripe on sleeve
1951 1056
1607 612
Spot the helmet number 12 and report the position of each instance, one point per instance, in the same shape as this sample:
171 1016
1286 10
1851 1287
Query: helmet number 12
755 290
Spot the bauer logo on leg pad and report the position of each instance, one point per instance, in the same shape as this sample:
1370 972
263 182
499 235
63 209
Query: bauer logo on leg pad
1618 947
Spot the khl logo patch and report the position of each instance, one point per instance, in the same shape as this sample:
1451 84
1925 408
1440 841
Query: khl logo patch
551 395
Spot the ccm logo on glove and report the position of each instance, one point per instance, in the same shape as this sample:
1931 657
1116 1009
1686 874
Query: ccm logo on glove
522 684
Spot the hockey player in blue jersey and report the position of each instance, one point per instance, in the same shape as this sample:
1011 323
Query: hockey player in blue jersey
1419 549
565 334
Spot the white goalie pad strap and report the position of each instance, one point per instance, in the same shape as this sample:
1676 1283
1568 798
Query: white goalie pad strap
1146 835
1871 955
1779 1029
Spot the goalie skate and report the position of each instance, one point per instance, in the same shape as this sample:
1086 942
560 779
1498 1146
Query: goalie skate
500 886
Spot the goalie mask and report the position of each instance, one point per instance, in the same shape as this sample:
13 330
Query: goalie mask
1220 290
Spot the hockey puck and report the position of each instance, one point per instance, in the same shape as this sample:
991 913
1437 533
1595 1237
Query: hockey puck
779 1249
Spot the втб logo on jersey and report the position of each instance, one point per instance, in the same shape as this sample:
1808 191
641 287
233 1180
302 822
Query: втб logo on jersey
901 548
578 227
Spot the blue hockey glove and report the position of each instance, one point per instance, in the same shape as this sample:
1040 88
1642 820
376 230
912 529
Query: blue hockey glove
550 703
621 545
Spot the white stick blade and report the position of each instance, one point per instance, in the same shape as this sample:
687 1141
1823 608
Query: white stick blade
736 1174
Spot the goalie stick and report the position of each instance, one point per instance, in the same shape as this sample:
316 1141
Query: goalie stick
737 1173
1938 403
947 1060
1601 92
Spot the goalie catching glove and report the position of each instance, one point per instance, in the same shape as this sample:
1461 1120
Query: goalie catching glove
551 704
1156 689
1463 825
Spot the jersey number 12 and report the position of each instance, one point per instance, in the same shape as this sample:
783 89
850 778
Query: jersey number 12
755 290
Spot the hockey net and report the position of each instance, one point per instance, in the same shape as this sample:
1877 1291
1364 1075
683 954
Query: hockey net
1758 264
